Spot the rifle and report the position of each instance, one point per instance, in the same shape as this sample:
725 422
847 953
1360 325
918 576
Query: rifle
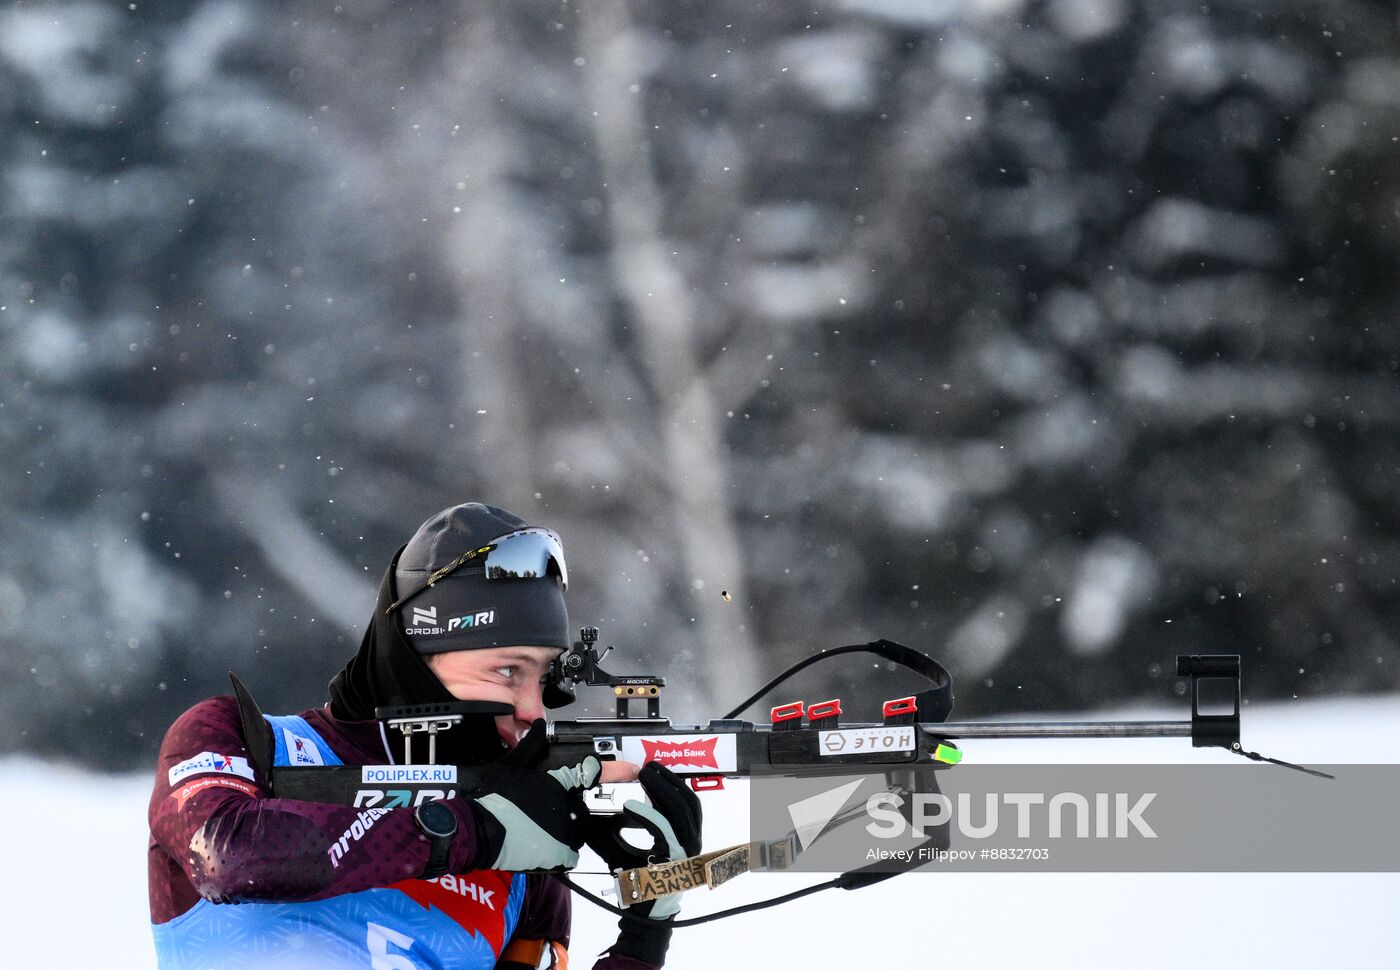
812 739
798 739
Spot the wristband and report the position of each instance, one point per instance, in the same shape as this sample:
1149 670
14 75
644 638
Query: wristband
439 824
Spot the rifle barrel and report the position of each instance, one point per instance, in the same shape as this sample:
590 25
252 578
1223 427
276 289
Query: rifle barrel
1059 729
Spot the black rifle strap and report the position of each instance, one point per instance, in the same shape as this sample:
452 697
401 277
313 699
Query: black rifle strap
856 879
935 704
1256 756
256 732
708 917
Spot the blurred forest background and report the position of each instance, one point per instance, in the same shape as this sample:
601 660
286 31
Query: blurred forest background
1054 337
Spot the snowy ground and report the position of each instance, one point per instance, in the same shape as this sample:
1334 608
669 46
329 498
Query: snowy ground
77 882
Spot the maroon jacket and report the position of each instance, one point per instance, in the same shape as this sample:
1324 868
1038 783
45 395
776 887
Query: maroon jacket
218 836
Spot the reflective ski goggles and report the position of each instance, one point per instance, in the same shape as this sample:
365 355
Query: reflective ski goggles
530 553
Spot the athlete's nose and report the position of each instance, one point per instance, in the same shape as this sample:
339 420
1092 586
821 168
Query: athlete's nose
529 704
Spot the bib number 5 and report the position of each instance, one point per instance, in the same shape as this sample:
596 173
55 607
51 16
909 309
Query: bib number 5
378 939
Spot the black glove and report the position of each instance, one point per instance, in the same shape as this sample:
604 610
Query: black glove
528 819
674 820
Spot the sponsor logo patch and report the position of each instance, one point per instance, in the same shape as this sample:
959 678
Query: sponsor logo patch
193 788
408 774
484 618
468 621
400 797
478 903
865 740
466 887
210 762
301 751
364 821
680 752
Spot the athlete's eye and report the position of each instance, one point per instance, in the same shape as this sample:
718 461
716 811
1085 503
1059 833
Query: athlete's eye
507 672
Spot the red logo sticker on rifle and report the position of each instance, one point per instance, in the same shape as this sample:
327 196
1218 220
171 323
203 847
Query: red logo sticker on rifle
700 754
684 752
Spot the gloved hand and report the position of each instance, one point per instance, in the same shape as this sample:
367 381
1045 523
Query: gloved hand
674 821
529 819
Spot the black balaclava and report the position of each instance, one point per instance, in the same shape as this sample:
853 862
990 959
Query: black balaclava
389 669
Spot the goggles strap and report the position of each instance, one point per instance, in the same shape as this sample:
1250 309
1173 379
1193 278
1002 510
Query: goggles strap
555 555
442 573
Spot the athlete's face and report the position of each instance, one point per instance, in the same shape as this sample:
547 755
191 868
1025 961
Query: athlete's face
511 675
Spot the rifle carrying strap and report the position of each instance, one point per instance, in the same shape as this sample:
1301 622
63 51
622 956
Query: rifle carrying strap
935 704
645 883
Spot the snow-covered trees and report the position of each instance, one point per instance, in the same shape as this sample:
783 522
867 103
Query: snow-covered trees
1054 337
